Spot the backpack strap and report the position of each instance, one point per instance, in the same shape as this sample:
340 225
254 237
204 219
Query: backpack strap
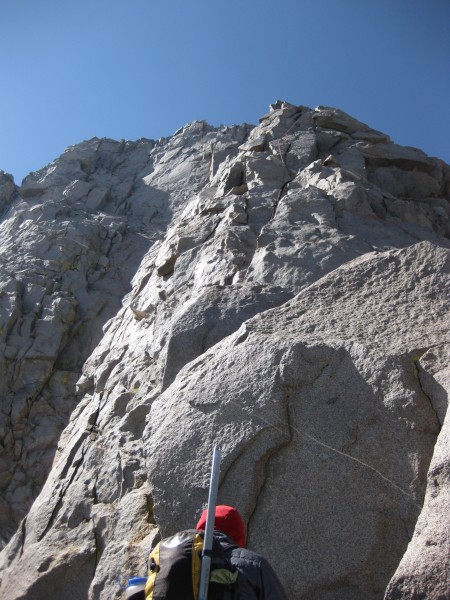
226 543
197 549
153 570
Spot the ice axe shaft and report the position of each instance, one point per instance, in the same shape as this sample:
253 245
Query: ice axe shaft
209 529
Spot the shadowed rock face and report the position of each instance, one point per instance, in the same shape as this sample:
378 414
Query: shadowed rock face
280 291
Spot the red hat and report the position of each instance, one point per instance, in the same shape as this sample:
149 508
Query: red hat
229 521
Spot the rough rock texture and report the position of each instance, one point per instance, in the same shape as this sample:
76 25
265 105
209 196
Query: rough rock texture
279 290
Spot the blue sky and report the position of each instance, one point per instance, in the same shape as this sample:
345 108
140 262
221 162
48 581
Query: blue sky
143 68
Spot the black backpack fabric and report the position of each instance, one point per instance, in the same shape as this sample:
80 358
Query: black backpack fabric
174 568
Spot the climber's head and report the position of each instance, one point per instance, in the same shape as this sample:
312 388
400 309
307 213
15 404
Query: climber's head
229 521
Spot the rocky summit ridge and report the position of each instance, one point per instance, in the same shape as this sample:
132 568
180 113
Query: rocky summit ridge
280 290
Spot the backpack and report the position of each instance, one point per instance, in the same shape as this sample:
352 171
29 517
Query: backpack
175 564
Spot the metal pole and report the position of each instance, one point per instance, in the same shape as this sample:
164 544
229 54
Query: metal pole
209 529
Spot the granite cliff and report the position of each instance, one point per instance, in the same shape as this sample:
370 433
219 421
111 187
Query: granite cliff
279 290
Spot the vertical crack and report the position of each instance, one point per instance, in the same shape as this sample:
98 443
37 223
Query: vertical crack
291 176
281 193
76 467
23 529
286 423
417 369
97 546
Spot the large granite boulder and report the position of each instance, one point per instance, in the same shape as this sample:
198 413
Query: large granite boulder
278 290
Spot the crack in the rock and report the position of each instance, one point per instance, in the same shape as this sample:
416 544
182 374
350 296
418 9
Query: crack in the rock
97 547
291 174
93 418
415 360
272 451
145 279
210 235
23 530
101 382
76 467
281 193
122 473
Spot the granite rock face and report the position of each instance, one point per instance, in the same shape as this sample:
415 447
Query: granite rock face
278 290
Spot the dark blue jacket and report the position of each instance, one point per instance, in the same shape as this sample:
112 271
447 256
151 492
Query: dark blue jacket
256 580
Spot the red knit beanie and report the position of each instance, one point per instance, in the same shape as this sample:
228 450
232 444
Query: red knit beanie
229 521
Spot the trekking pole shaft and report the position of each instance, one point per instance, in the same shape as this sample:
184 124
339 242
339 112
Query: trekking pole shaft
209 529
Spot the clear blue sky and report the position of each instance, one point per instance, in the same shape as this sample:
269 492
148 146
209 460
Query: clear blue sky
72 70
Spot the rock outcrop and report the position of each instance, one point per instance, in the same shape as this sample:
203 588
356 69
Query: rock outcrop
278 290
